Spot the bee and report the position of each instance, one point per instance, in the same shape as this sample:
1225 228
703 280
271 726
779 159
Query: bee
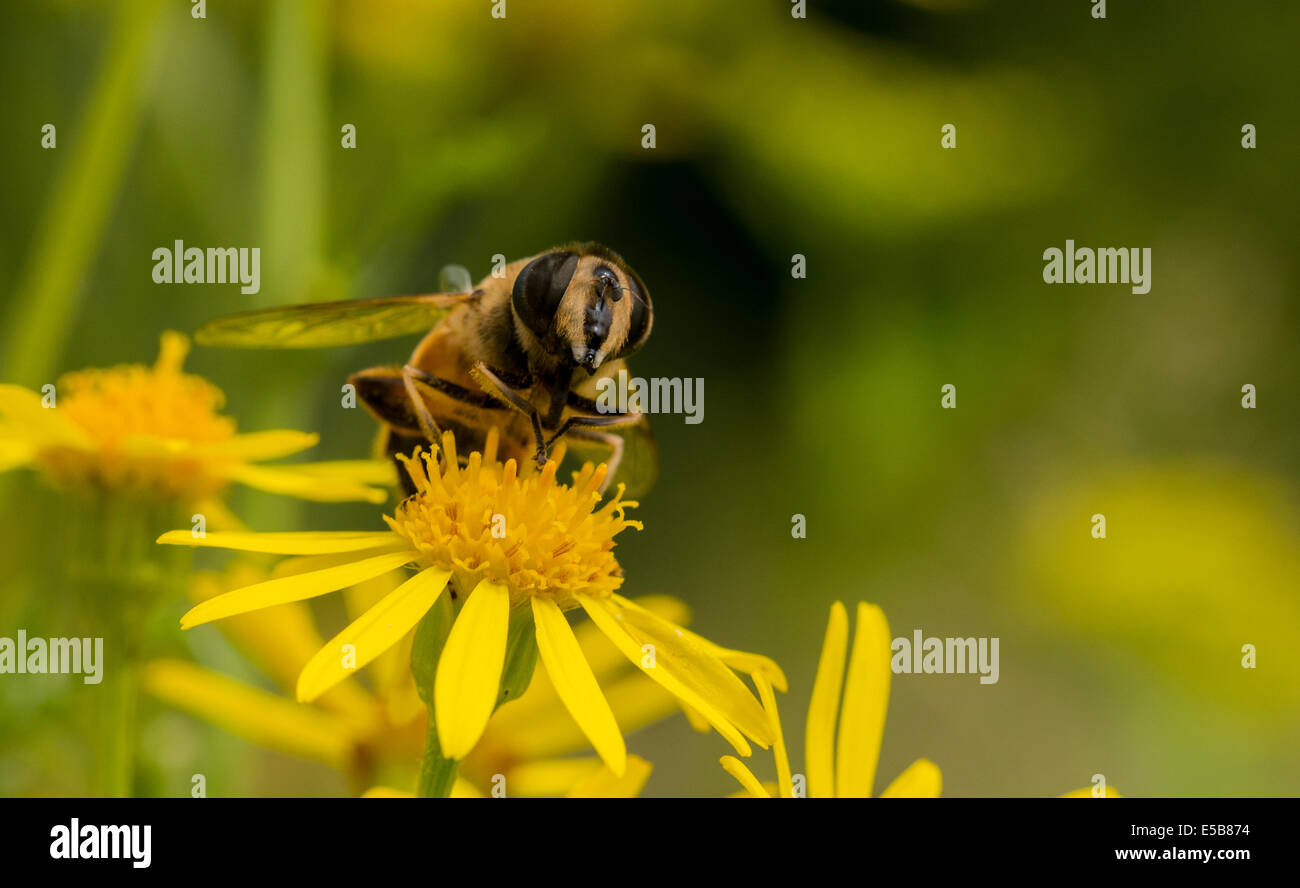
523 352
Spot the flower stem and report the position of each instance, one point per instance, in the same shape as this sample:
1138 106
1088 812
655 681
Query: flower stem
437 774
118 583
113 737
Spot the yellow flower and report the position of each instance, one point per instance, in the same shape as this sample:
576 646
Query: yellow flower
842 764
377 732
503 538
157 432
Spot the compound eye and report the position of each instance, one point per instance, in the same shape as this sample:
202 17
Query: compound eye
539 288
642 318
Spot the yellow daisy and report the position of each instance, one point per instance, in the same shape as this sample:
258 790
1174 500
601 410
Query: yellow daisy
377 733
842 764
157 433
516 550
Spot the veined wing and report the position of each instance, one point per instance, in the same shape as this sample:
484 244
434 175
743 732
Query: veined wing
325 324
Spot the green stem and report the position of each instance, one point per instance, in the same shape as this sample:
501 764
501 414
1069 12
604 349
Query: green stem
437 774
118 583
113 729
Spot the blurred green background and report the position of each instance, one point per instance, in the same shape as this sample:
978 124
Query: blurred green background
775 136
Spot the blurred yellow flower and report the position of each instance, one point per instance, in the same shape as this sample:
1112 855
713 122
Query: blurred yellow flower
157 433
132 449
504 540
843 765
1197 572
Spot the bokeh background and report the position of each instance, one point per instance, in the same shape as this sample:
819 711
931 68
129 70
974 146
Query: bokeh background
775 136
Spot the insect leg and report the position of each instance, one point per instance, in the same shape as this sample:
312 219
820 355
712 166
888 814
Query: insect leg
498 388
428 425
610 440
604 420
457 392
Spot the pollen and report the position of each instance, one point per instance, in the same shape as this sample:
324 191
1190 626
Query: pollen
523 530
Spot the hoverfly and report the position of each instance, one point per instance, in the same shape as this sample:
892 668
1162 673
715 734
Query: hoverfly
522 352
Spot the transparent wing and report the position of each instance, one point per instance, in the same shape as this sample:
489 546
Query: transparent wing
455 279
325 324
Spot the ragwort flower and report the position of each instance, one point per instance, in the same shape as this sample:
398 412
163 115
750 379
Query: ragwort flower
156 433
506 540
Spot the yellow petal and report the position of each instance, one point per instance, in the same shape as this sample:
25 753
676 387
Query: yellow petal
294 588
751 664
769 790
281 639
1086 793
666 607
819 735
255 715
681 680
254 446
736 768
605 659
463 789
605 784
288 481
921 780
783 777
23 415
536 725
315 542
372 633
698 722
637 702
866 697
402 700
386 792
576 685
549 776
469 671
15 453
680 652
381 473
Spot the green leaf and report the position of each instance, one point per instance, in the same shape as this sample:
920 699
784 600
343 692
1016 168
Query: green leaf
521 655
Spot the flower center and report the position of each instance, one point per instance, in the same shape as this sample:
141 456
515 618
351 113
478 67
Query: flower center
141 419
158 402
527 532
